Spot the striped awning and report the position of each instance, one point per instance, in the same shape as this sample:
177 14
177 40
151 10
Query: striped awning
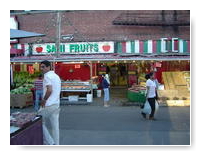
153 46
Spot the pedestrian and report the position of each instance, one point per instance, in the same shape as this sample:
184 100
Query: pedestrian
105 86
151 93
50 104
38 86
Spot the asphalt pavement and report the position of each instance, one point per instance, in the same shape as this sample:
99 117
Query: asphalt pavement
94 124
123 125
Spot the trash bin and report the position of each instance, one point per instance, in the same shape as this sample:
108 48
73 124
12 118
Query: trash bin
89 97
98 93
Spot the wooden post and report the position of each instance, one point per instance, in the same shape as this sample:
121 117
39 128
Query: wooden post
58 31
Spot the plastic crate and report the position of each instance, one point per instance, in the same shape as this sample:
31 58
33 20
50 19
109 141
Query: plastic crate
136 97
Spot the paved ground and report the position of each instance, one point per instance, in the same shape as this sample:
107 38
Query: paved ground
94 124
119 125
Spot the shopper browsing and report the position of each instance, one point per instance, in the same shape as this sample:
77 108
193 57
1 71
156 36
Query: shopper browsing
38 85
105 86
50 103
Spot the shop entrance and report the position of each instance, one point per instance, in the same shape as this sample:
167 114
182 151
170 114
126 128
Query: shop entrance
117 73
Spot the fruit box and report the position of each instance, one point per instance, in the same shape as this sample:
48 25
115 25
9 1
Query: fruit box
21 100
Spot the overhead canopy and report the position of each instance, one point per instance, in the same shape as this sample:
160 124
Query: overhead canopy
99 57
15 34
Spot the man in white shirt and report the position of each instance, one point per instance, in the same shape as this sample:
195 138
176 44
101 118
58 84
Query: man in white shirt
151 94
50 103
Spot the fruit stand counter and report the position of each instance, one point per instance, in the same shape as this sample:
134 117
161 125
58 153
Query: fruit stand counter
136 94
74 88
25 131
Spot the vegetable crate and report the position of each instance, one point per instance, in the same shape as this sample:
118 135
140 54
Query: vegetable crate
136 97
21 100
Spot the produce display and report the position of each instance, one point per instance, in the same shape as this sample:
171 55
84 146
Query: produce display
21 92
142 80
21 78
75 85
138 89
24 89
23 82
20 120
137 93
71 89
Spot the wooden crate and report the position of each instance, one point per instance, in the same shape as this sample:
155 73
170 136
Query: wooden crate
21 100
168 93
165 80
175 103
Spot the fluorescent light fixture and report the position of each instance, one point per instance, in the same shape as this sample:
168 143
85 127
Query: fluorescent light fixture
72 62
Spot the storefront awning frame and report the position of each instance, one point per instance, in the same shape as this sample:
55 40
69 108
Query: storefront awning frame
101 60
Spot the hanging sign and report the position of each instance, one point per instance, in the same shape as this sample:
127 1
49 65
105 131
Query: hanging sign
157 64
73 48
77 66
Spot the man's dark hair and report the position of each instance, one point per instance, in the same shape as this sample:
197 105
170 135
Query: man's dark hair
46 63
147 76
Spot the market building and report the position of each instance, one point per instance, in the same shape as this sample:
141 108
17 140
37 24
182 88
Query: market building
124 44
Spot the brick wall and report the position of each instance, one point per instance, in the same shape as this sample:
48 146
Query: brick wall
96 26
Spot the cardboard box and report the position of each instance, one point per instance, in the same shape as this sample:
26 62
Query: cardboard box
168 93
21 100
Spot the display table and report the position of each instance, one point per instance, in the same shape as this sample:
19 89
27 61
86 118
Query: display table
30 134
75 87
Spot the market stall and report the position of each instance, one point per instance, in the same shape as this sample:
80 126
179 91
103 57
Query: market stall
22 92
73 90
77 82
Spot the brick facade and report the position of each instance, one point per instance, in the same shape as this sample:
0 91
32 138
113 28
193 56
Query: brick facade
98 26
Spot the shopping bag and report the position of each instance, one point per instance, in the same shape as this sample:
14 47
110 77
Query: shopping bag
156 106
147 108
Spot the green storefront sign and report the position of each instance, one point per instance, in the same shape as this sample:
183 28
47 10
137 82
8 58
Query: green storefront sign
74 48
83 48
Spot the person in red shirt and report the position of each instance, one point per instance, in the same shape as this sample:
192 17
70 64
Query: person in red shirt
38 85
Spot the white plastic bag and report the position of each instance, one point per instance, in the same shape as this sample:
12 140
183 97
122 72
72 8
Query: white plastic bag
156 106
147 107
